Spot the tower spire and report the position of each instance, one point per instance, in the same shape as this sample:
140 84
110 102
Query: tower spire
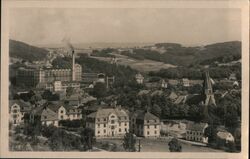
208 90
73 65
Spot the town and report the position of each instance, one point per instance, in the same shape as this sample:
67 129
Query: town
68 99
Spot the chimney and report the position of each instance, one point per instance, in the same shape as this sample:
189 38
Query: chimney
73 65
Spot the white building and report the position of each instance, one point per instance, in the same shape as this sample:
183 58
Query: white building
109 122
145 124
17 110
139 78
195 132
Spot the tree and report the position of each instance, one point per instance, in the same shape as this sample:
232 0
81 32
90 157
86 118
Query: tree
69 91
87 138
129 142
174 145
47 94
99 90
156 110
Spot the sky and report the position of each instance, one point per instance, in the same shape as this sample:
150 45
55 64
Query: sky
141 25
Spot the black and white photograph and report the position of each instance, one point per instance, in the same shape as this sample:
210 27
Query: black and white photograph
125 79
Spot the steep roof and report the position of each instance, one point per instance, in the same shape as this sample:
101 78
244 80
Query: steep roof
196 126
105 112
140 114
25 106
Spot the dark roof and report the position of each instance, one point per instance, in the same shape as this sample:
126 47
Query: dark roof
196 126
25 106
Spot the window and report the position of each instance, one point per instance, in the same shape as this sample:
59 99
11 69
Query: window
155 121
155 126
125 129
104 131
125 118
119 118
155 132
61 116
125 124
112 121
120 129
98 125
112 116
148 132
104 125
147 121
14 111
148 126
98 119
98 132
45 117
61 111
104 119
119 124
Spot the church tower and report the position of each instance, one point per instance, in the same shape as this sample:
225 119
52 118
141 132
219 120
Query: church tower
208 90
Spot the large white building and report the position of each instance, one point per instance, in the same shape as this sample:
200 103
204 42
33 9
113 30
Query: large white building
109 122
17 110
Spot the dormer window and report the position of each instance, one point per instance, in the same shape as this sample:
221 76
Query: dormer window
112 116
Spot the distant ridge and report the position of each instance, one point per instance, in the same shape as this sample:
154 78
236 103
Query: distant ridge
25 51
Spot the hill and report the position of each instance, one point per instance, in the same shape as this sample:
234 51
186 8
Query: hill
177 54
24 51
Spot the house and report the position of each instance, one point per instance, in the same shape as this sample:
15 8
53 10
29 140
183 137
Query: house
164 84
139 78
232 77
185 82
225 136
173 82
181 99
44 115
144 123
195 132
17 110
176 128
173 96
109 122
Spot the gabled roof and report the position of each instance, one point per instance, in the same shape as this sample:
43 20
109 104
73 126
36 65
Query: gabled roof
50 114
196 126
105 112
142 115
24 106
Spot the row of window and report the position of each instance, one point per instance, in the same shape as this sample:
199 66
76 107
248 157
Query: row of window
194 138
148 132
104 130
154 126
194 133
105 119
104 125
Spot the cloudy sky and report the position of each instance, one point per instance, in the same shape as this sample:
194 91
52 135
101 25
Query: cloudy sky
185 26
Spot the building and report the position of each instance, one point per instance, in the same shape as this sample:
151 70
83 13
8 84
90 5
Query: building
164 84
39 77
232 77
92 78
17 110
185 82
225 136
45 115
109 122
144 123
195 132
59 86
139 78
208 90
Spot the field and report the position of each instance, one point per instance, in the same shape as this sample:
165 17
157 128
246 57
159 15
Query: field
140 65
161 145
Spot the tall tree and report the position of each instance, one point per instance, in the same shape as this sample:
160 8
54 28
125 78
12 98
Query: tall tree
174 145
129 142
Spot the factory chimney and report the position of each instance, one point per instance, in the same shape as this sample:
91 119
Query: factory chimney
73 65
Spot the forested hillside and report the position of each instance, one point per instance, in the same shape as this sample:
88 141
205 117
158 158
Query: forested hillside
27 52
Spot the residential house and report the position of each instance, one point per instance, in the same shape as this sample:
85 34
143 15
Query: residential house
164 84
225 136
195 132
144 123
139 78
109 122
44 115
17 110
185 82
173 82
